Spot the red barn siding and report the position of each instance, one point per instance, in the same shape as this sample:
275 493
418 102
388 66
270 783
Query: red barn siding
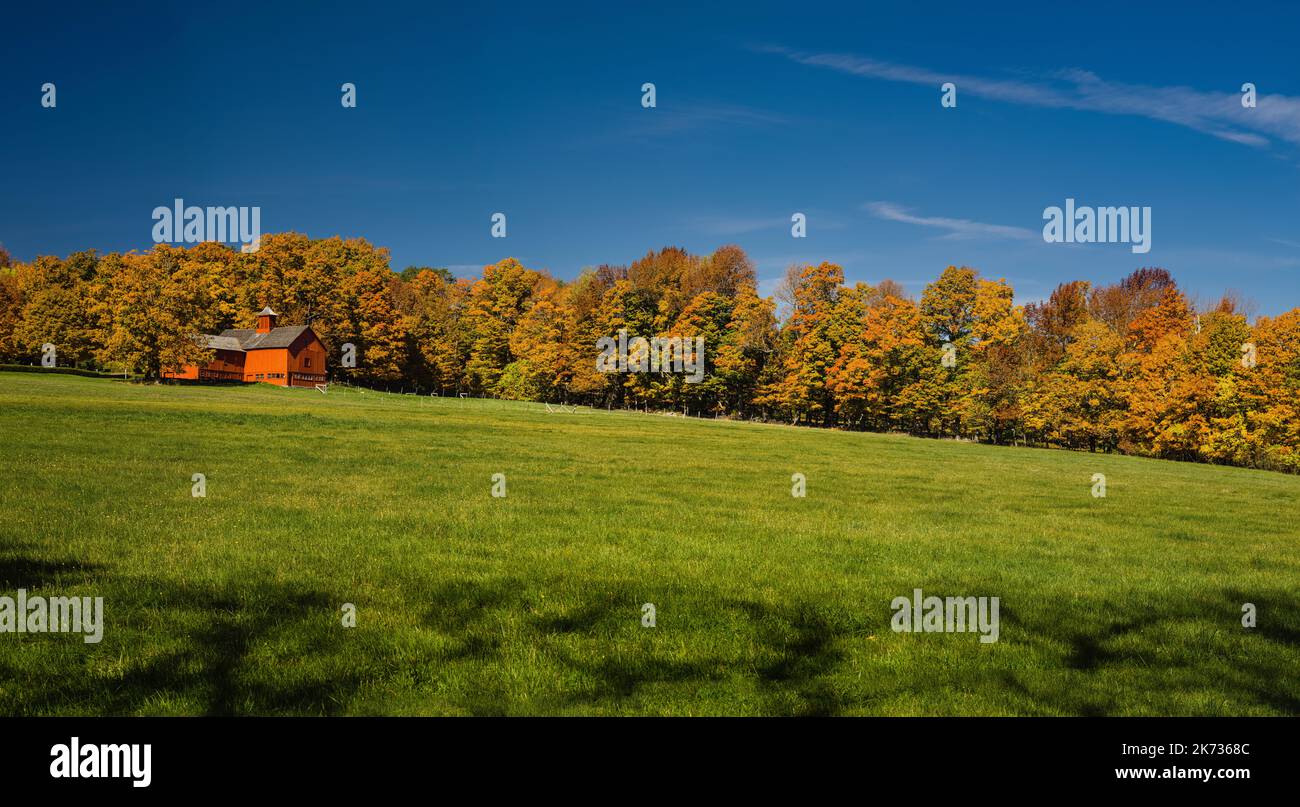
301 364
306 361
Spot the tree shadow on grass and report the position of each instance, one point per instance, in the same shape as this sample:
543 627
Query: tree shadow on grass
29 572
1088 650
793 649
805 648
212 664
1268 675
465 612
273 648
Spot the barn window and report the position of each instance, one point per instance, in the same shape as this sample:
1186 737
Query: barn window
306 361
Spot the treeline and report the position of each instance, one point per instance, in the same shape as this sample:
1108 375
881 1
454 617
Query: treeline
1132 367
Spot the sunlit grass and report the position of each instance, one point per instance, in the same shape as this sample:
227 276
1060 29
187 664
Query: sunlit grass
531 604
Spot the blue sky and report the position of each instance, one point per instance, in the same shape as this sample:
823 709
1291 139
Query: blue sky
762 111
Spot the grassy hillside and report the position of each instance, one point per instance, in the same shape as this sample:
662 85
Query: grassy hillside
528 604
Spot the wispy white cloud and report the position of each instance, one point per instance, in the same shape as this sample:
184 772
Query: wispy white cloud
1219 114
728 226
688 116
955 228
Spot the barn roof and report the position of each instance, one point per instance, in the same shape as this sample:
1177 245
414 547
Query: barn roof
223 342
249 339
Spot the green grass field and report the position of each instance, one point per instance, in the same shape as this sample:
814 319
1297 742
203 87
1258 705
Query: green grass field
531 604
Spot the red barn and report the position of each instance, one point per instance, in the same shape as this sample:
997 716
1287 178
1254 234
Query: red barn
291 355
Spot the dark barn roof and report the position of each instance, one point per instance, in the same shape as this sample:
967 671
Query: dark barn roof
223 342
249 339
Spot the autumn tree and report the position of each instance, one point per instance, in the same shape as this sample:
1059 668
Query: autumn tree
744 350
372 325
1078 403
496 303
802 392
878 378
1051 324
147 313
1130 366
57 302
11 311
431 321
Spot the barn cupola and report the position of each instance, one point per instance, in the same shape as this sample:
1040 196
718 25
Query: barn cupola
266 320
